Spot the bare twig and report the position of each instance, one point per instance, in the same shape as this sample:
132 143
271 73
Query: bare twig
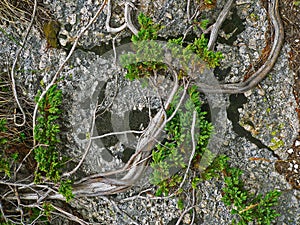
159 116
114 49
117 133
218 24
86 149
128 23
196 13
188 9
2 213
108 28
14 66
68 215
128 18
64 63
193 150
261 73
183 213
27 155
176 109
116 81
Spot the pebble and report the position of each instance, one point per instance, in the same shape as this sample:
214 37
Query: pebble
169 15
72 19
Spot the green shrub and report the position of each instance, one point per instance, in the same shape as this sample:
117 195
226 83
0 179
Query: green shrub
65 189
49 159
249 207
169 156
149 54
46 134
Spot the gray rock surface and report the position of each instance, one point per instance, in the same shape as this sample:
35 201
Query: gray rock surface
269 113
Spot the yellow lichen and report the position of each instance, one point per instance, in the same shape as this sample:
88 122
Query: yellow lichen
51 30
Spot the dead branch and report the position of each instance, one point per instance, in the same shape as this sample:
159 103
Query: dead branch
87 148
128 22
218 24
193 151
261 73
14 66
69 216
146 143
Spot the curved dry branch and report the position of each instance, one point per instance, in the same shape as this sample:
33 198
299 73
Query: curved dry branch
128 23
68 215
103 185
14 66
261 73
108 28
